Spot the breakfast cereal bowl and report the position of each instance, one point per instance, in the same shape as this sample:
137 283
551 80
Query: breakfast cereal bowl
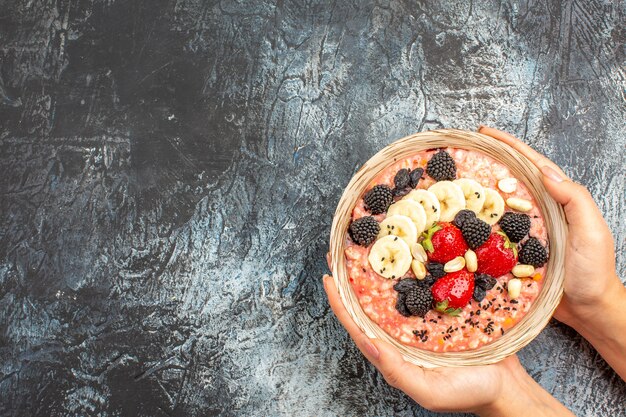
446 245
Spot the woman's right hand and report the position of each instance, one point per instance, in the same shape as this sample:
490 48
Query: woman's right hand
593 294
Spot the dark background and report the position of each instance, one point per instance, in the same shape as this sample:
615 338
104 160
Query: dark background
169 171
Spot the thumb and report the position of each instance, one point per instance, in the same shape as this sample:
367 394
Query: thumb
580 209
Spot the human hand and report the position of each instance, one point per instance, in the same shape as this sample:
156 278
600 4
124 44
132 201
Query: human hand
502 389
590 278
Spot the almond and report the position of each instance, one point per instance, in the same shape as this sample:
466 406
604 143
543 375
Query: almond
507 185
523 271
514 287
455 264
471 261
519 204
418 269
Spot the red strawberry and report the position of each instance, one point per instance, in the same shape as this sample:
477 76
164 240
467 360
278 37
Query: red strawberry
497 256
444 242
453 291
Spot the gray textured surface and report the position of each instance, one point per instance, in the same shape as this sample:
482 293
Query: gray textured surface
170 170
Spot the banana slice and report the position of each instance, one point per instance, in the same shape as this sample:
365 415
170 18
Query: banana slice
451 199
401 226
493 208
390 257
474 194
431 205
411 209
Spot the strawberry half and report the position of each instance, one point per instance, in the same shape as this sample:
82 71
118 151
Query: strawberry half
444 242
452 292
497 256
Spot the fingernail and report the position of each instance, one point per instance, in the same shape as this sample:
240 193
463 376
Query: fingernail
480 127
371 349
552 174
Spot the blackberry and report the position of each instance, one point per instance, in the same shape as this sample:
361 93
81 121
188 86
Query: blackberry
441 167
462 216
479 293
484 281
419 300
475 232
378 199
533 253
415 176
363 231
405 285
435 269
401 180
515 225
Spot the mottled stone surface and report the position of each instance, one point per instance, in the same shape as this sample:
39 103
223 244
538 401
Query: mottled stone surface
169 171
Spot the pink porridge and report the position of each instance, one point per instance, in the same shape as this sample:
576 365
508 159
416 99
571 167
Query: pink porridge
459 322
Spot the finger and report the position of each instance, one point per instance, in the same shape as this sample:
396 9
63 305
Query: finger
580 208
360 339
538 159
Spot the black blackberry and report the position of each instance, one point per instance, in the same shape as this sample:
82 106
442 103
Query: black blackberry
462 216
415 176
363 231
533 253
475 232
419 300
441 167
435 269
479 293
484 281
402 180
515 225
405 285
378 199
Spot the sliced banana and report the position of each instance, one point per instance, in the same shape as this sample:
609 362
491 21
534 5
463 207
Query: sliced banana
429 202
451 199
474 194
401 226
493 208
390 257
411 209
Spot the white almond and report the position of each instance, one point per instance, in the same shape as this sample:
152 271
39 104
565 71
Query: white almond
454 265
471 261
514 287
418 252
418 269
523 271
507 185
519 204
